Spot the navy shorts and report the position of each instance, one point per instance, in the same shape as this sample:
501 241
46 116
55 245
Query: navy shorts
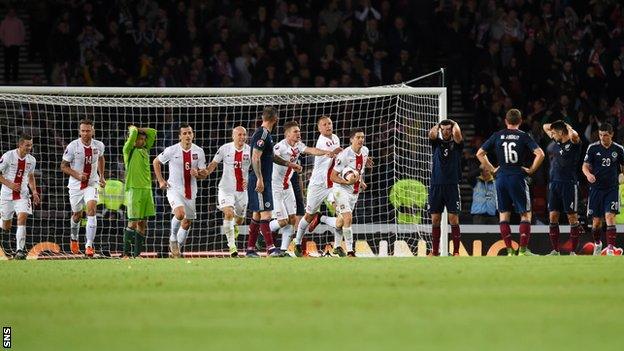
512 193
259 202
444 195
298 195
603 201
563 197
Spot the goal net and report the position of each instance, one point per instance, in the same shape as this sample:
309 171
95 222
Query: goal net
395 119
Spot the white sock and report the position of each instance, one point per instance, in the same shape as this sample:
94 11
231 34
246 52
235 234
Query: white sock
330 221
337 238
274 225
228 229
91 228
175 226
303 225
348 236
20 235
74 228
286 235
182 233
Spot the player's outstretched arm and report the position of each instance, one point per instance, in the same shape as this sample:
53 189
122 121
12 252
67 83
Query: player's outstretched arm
32 184
485 162
212 166
280 161
317 152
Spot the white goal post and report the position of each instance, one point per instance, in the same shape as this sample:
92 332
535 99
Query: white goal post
395 119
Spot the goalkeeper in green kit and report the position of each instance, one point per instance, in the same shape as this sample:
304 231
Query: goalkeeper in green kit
139 198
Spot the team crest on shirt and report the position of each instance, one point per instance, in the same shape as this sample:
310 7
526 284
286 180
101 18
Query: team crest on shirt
267 204
260 143
614 154
195 157
96 151
567 147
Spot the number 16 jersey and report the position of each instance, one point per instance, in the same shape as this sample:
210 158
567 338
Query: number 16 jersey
511 147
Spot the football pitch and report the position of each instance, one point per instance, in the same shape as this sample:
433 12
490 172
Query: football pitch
461 303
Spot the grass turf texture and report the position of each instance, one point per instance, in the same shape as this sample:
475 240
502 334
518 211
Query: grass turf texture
510 303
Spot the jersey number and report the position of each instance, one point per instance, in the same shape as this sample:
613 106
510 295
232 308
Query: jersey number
88 159
606 162
511 156
446 152
187 165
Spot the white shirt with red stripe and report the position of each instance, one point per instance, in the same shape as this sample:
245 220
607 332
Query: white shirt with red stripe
348 158
324 164
16 170
84 159
282 174
180 164
236 165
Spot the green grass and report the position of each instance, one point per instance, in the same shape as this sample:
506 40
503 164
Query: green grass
502 303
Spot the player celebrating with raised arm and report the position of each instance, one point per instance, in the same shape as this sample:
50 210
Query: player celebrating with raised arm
17 175
187 163
232 195
139 197
511 145
283 193
259 187
602 164
447 143
320 185
79 163
348 178
563 187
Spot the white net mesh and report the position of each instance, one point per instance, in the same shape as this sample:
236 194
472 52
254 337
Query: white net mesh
395 124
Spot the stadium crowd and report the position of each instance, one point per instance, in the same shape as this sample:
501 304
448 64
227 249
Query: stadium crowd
552 59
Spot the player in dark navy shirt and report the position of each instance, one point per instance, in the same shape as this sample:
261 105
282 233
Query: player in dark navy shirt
259 189
447 144
511 146
602 164
563 187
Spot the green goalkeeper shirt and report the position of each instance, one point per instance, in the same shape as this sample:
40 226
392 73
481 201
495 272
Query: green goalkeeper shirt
137 160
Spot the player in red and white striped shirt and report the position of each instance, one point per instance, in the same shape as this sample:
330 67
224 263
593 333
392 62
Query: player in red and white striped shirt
16 175
187 163
346 190
285 206
83 161
232 196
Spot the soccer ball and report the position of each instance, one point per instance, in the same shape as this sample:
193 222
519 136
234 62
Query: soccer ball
588 249
348 173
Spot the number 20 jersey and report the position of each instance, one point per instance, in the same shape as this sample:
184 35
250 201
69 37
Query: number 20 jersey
605 164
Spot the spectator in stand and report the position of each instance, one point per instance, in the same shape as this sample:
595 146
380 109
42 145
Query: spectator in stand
483 207
12 34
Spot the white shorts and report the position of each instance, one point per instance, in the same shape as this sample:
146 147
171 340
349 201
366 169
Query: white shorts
345 200
9 207
237 200
284 203
78 198
315 196
177 200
